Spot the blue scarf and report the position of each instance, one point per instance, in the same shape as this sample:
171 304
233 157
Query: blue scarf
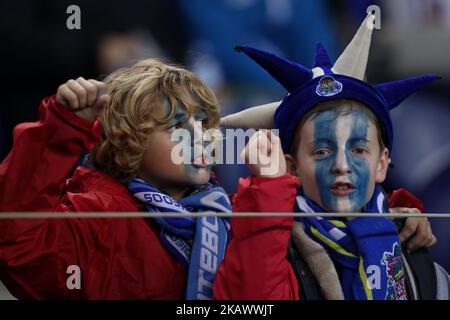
198 242
365 251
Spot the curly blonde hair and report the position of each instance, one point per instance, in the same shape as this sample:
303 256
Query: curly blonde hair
127 120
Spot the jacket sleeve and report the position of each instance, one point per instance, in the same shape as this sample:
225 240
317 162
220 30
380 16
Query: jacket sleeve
43 156
404 198
35 253
255 264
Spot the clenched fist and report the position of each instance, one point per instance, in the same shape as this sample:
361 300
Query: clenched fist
85 98
264 156
416 232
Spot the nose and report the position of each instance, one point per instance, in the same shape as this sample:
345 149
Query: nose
340 166
197 131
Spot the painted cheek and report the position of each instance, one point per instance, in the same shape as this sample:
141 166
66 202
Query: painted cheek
193 173
339 131
360 167
195 130
360 178
324 129
324 179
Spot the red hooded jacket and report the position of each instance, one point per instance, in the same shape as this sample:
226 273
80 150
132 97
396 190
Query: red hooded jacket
120 258
256 264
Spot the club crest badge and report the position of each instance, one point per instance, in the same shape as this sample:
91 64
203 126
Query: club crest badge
396 288
328 87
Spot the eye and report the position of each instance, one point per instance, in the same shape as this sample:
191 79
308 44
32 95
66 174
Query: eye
203 120
321 153
175 125
359 151
178 125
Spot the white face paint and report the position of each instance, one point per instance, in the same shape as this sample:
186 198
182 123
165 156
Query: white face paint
337 160
342 132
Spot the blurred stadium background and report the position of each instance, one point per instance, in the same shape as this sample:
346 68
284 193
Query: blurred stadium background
38 53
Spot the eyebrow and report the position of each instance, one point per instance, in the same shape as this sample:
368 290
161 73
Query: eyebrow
320 140
359 139
180 115
200 112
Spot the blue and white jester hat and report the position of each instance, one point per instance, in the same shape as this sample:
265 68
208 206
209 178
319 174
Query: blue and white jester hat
325 82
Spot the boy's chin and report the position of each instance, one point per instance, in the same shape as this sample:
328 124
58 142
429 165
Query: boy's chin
344 209
202 176
342 206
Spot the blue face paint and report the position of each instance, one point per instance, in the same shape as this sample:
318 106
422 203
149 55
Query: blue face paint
182 120
342 162
178 119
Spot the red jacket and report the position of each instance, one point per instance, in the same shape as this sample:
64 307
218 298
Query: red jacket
118 258
256 264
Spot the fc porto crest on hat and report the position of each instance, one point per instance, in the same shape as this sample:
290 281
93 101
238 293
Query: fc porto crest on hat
328 87
345 77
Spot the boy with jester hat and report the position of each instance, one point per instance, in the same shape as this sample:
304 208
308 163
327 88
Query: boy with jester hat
129 168
337 136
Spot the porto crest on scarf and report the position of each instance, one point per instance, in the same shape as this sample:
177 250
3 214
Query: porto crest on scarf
395 274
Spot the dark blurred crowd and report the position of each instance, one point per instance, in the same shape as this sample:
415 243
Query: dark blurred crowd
38 53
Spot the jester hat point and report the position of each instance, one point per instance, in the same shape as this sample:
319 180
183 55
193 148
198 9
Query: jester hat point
325 82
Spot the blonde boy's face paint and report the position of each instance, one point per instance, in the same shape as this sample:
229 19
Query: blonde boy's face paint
337 160
158 166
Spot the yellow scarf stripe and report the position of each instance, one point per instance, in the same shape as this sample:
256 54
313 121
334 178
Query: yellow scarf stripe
337 223
364 280
331 243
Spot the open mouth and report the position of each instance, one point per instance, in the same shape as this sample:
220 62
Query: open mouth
342 189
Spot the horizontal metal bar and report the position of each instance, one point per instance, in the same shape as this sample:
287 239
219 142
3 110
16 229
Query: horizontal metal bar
63 215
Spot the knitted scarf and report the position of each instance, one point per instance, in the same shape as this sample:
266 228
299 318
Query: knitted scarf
366 251
198 242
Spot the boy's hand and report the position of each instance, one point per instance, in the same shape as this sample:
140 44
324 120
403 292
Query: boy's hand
416 232
264 156
85 98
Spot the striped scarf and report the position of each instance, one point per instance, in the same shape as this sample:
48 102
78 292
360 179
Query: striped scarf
200 243
365 250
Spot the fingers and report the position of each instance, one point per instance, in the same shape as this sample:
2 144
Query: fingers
263 155
267 142
252 148
90 89
403 210
81 93
275 141
422 237
417 234
408 229
263 143
67 97
101 87
433 241
101 102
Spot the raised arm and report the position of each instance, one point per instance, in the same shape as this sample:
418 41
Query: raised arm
255 264
45 152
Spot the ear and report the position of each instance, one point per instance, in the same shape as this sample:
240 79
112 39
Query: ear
291 165
383 165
